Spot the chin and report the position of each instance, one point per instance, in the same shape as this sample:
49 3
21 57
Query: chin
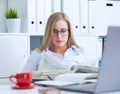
60 45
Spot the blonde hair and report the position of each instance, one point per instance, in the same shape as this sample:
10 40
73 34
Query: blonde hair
49 28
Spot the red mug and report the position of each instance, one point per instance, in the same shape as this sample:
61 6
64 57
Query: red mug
22 79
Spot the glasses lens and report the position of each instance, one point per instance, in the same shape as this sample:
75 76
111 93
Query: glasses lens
55 32
62 31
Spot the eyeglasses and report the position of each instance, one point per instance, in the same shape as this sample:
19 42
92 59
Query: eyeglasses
63 32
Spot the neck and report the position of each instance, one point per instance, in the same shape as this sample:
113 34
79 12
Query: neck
59 50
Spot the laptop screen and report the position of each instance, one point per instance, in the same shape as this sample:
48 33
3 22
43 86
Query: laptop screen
109 76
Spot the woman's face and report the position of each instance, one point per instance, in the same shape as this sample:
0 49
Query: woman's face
60 34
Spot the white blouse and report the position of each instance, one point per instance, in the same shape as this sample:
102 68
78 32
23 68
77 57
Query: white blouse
72 56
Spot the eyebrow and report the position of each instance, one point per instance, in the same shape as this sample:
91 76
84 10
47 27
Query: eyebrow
61 29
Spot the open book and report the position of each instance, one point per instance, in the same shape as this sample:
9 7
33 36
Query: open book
49 68
84 69
70 79
77 77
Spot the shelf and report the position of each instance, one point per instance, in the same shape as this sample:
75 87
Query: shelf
16 34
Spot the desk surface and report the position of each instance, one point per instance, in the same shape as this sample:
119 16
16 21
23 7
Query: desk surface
7 89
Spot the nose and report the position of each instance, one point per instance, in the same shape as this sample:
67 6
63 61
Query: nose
59 34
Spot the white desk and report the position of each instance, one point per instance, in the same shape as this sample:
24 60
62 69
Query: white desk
6 89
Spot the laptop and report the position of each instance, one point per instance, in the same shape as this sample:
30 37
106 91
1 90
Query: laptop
109 72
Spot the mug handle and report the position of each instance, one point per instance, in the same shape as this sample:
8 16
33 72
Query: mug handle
11 79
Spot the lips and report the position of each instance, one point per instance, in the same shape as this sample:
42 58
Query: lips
59 41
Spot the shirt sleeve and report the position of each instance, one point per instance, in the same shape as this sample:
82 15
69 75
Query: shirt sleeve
32 62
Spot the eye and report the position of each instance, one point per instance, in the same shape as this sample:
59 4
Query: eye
64 30
55 31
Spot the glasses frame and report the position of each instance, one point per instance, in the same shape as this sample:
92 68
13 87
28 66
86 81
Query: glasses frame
63 32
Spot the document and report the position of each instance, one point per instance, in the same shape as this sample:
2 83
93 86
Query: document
49 68
54 83
84 69
69 79
77 77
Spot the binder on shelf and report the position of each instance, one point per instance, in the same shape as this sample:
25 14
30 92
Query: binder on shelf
84 16
56 5
32 16
48 9
44 10
40 17
76 17
92 26
68 9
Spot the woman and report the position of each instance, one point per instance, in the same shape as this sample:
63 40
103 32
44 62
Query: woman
58 42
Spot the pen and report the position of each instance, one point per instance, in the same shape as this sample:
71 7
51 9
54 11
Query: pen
49 77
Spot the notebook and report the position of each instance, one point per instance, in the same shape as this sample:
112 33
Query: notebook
109 73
